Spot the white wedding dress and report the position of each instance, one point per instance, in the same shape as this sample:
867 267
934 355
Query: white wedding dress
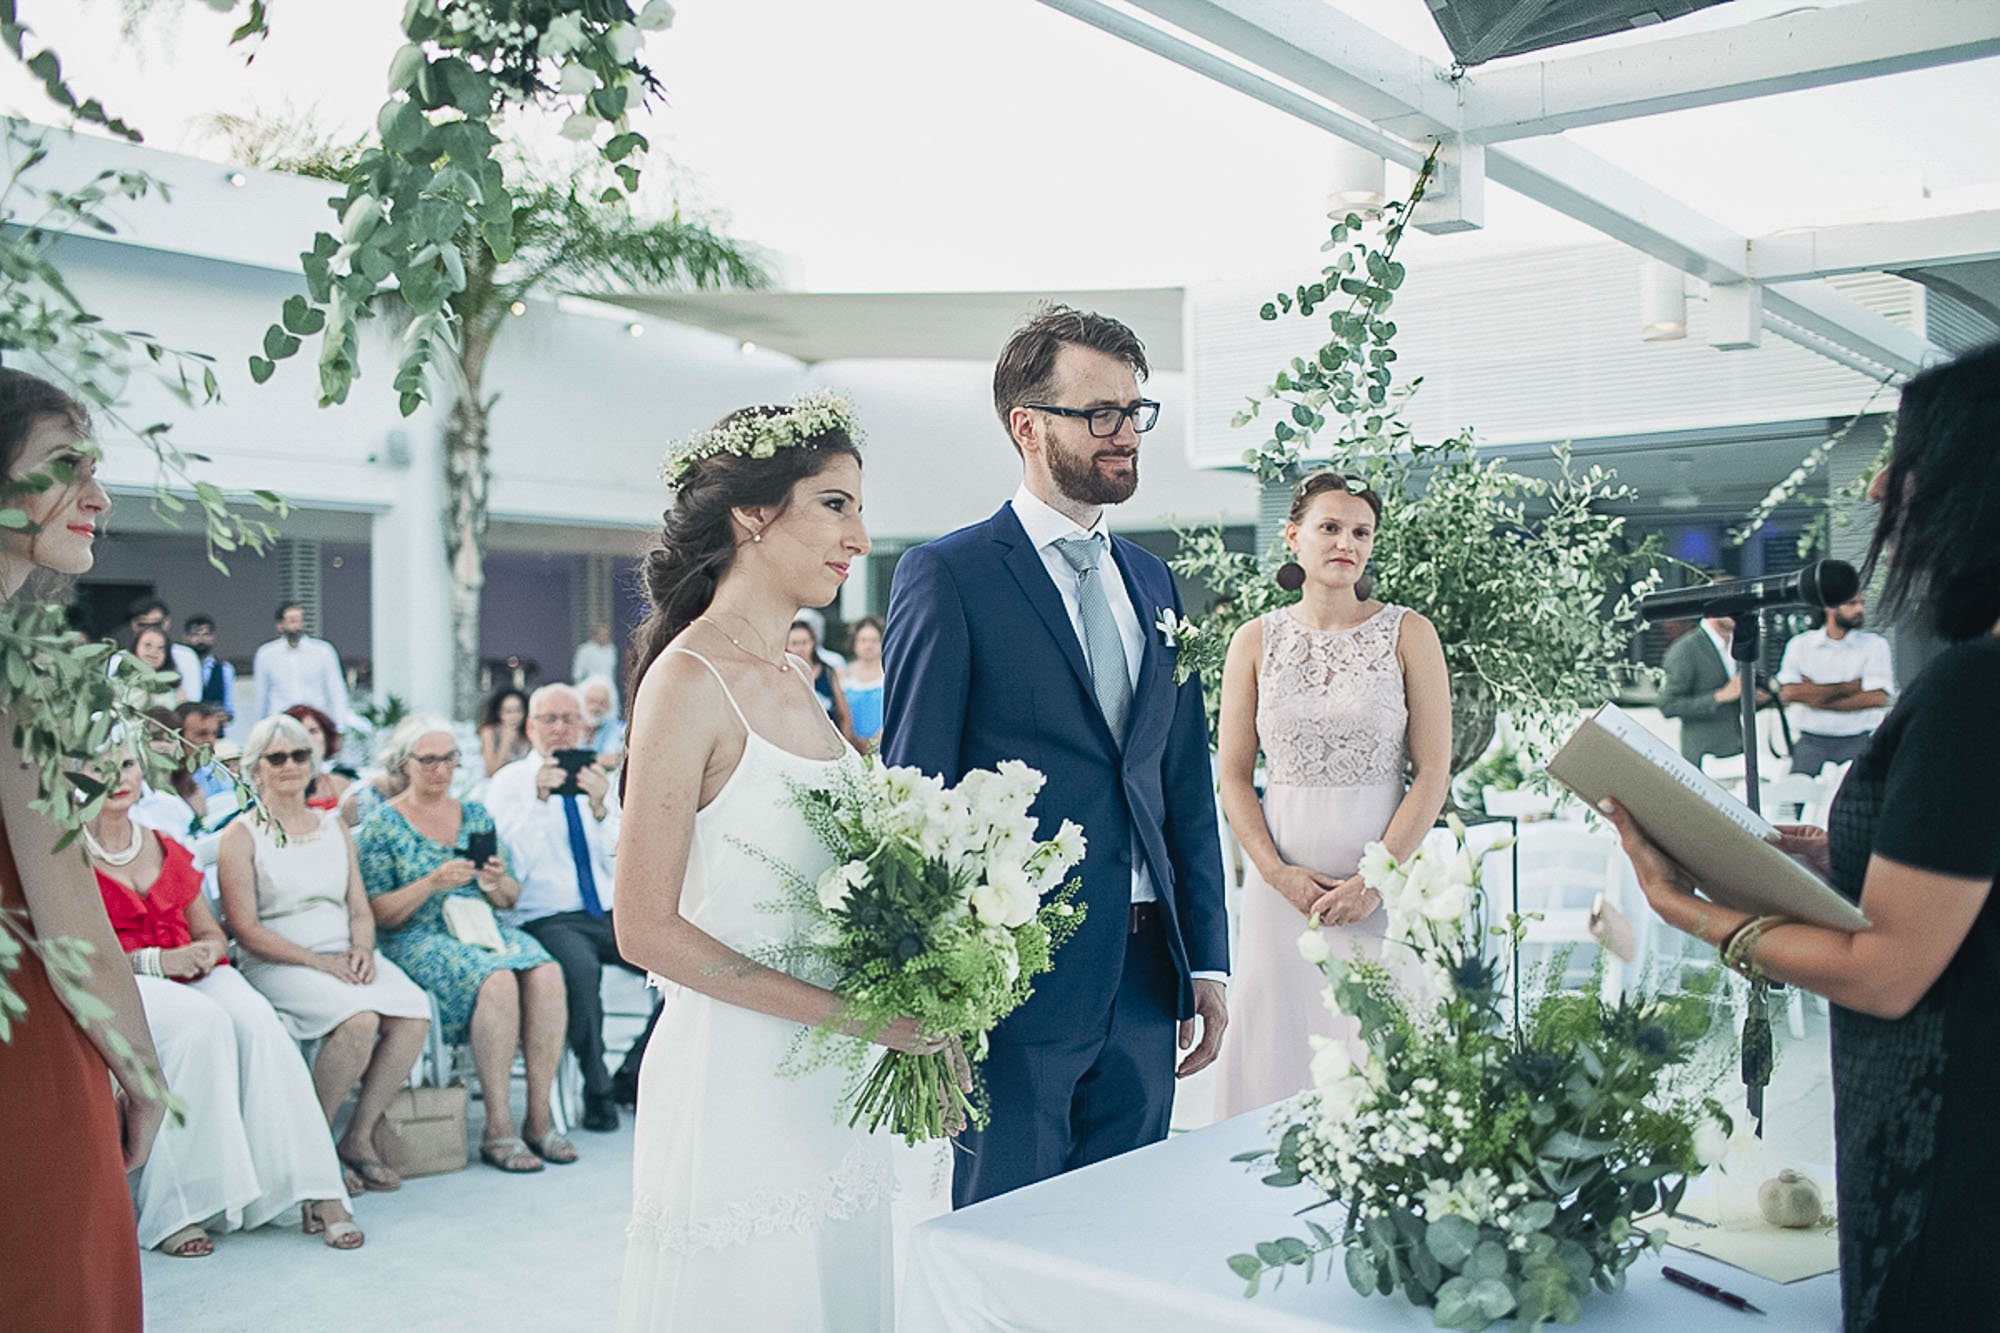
754 1206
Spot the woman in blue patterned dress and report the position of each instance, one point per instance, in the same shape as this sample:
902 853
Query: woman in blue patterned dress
413 852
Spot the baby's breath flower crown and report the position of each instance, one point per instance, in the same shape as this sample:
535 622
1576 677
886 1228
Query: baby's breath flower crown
810 416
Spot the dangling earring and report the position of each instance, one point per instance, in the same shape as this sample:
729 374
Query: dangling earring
1364 587
1291 576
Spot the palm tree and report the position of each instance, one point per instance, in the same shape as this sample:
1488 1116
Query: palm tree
571 236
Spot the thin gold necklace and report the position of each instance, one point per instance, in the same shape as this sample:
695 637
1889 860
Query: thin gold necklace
739 645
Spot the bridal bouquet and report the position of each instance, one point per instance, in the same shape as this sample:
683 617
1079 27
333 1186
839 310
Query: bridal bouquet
1488 1169
940 906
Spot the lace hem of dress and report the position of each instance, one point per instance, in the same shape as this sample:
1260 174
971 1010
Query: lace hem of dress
863 1180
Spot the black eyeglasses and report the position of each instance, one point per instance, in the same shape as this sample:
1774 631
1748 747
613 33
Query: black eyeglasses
433 760
279 758
1106 422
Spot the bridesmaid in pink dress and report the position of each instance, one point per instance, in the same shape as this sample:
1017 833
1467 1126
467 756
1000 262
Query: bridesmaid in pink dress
1349 700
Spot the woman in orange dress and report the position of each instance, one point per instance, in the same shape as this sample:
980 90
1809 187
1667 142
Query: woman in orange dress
69 1255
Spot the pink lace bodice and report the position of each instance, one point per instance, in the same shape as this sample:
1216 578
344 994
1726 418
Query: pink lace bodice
1330 705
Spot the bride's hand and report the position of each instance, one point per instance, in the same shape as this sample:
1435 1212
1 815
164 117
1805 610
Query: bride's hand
905 1035
1302 887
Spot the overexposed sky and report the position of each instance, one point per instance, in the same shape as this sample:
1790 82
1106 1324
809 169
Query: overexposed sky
997 144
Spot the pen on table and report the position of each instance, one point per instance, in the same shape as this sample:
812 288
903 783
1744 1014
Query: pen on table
1708 1289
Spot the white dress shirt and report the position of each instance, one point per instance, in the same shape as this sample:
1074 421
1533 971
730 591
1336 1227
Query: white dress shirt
535 834
188 663
1817 657
308 673
1045 527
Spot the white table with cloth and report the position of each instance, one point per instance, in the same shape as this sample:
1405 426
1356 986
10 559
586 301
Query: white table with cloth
1143 1242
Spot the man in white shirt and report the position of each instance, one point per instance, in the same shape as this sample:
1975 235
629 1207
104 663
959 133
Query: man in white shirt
597 656
1837 682
296 668
561 835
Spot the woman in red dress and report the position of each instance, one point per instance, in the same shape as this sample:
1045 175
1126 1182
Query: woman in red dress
71 1257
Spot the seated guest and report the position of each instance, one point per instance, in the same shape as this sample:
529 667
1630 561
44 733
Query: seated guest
200 724
253 1143
603 729
327 788
414 861
180 808
561 836
292 894
370 794
802 642
151 647
501 737
862 682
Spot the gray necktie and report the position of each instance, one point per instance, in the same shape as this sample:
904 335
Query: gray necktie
1103 645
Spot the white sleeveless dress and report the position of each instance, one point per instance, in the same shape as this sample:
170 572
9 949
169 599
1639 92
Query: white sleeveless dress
754 1205
1333 724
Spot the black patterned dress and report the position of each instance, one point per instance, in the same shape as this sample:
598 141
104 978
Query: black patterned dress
1916 1109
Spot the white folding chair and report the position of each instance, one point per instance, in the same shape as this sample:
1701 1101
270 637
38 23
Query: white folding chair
1563 869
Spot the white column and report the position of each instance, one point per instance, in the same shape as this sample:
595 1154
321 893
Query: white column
409 584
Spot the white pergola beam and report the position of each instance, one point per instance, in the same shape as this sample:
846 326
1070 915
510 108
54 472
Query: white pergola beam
1868 247
1399 91
1329 55
1804 49
1202 61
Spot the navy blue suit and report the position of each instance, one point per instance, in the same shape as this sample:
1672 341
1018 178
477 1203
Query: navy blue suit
983 664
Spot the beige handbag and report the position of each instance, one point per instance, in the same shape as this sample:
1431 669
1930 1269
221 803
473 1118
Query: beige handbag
423 1131
471 921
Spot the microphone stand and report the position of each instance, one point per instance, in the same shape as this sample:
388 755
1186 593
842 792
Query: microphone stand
1744 647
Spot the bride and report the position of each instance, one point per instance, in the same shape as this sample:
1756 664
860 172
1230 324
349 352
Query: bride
754 1205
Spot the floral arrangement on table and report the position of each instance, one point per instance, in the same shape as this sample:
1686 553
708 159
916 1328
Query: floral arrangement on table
1486 1169
941 906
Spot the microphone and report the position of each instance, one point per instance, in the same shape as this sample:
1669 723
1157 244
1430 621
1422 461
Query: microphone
1823 583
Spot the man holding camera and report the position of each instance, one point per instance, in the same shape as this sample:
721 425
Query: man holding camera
557 814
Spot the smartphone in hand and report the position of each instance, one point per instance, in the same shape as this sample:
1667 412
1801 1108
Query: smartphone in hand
480 846
573 762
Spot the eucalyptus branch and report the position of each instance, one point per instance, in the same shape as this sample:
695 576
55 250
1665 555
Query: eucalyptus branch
1788 488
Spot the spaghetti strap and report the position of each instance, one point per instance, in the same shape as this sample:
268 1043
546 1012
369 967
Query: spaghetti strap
797 664
733 706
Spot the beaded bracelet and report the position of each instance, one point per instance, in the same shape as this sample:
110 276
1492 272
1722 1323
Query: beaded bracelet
146 963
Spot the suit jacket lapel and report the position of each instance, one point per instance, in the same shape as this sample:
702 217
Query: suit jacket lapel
1024 562
1149 649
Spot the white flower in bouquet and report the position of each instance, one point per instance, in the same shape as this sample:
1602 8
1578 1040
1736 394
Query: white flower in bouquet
1313 947
1069 844
1007 898
839 882
623 41
576 79
1474 1196
563 35
1380 871
656 16
1002 943
1711 1141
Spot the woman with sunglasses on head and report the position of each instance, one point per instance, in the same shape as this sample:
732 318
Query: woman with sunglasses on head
1344 696
253 1145
291 890
415 858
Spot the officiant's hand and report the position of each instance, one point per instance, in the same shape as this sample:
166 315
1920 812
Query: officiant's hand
1302 887
1807 844
1668 886
1211 1010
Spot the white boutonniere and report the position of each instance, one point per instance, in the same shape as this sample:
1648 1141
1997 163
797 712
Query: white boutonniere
1175 630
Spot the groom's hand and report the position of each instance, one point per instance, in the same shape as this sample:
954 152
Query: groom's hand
1211 1009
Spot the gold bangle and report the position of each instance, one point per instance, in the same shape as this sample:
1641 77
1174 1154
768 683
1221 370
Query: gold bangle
1739 948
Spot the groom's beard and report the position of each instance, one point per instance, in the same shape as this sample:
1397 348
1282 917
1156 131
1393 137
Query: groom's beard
1076 475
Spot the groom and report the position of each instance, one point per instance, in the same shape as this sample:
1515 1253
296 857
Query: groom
1031 636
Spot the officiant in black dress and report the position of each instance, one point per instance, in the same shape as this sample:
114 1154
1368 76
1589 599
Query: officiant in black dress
1915 839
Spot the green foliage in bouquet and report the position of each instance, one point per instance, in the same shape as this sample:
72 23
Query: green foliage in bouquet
1533 586
940 906
1487 1169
